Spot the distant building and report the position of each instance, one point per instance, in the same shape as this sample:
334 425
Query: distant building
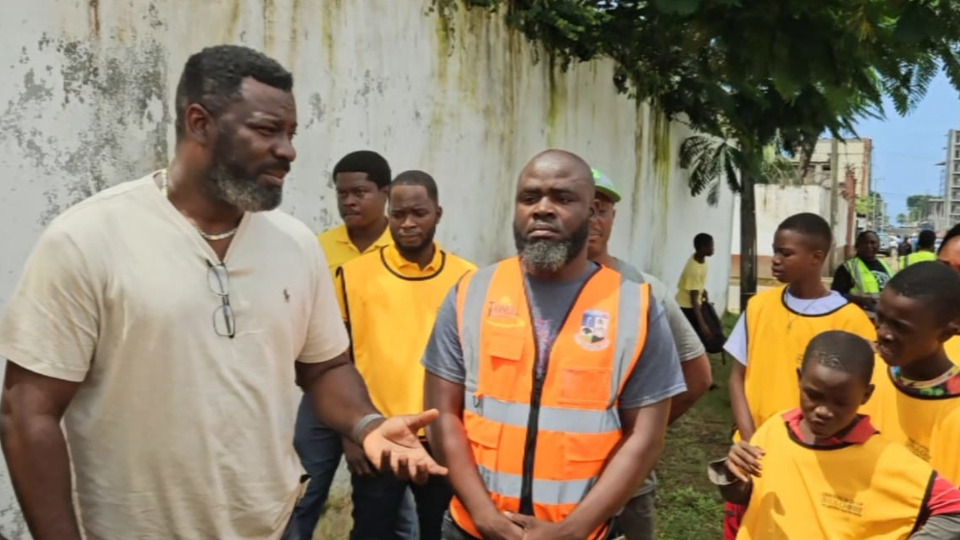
855 157
951 184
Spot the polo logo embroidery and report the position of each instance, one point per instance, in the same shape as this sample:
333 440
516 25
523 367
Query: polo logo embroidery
593 330
286 296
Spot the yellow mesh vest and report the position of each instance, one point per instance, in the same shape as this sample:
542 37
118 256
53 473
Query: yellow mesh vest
928 427
874 490
390 318
776 340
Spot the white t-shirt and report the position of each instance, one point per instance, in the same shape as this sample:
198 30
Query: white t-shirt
736 344
175 431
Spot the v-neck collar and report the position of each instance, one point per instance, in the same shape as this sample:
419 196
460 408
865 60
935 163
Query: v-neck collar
189 230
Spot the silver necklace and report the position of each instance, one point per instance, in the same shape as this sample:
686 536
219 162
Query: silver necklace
205 235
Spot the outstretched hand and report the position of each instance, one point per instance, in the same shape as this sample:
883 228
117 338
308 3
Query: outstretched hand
394 445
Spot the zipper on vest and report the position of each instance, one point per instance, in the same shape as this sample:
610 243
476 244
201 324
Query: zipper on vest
530 447
533 421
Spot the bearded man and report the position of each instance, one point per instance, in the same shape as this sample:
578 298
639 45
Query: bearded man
165 320
552 374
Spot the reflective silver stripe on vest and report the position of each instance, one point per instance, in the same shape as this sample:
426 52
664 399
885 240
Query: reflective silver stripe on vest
550 419
853 268
547 492
629 315
471 320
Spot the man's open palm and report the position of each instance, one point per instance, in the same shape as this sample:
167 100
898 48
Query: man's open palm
395 443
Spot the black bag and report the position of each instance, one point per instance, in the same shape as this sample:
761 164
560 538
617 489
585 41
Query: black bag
714 344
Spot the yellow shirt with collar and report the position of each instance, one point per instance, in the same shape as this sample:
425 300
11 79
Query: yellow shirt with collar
339 249
389 305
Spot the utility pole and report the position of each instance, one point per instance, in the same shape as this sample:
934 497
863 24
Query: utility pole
834 193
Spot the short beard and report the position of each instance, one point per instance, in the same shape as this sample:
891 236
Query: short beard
233 184
410 253
545 255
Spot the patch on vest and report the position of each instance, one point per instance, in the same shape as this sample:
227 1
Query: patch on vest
919 450
843 504
593 330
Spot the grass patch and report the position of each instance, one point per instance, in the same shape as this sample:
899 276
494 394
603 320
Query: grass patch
688 506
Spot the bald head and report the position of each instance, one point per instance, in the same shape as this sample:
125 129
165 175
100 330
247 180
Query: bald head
551 223
558 163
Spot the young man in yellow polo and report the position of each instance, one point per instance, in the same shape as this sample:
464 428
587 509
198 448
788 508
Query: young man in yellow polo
389 300
361 180
553 375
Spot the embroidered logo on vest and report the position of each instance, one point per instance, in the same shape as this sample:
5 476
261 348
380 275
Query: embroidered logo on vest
593 330
502 309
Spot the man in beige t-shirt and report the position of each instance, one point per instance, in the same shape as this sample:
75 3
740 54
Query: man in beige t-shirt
166 320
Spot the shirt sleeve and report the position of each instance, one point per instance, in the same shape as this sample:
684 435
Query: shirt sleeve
736 344
943 527
944 498
443 356
842 280
326 336
657 374
52 322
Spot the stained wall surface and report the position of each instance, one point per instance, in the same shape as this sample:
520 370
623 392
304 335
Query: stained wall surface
87 99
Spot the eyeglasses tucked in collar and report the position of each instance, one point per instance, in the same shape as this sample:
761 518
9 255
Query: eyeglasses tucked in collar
219 282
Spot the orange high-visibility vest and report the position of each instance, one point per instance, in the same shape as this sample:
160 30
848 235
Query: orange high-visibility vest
540 446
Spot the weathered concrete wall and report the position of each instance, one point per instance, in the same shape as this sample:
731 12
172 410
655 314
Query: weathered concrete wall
87 102
776 203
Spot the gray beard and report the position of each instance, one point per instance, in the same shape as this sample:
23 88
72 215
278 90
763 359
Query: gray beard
544 255
243 193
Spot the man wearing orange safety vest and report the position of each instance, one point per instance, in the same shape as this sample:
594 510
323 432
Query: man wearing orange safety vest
553 376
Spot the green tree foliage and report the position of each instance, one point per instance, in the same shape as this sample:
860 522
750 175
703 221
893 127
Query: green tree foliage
917 207
753 73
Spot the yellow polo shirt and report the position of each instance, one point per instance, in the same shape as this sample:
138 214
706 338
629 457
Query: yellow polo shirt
693 278
339 249
390 304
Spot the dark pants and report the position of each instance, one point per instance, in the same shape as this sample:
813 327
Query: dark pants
319 449
377 501
636 520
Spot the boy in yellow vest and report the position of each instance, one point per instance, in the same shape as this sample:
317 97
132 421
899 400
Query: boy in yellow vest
389 300
823 471
917 401
769 339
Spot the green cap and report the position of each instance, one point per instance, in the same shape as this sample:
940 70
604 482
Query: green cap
604 185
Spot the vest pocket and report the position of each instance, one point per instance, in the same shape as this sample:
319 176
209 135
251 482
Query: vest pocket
484 437
504 369
586 386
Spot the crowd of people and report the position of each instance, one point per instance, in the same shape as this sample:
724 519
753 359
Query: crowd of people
164 321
